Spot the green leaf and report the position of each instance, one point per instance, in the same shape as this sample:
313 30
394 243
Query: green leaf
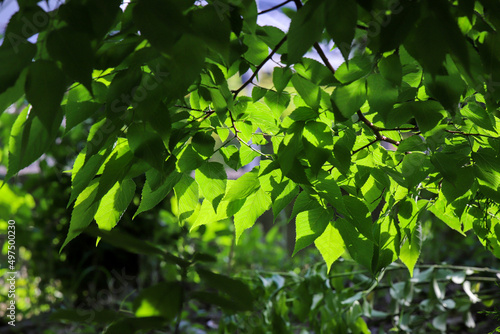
304 114
281 77
13 61
255 205
391 69
216 35
77 112
360 248
247 155
399 23
150 198
146 144
212 179
83 212
342 150
74 51
359 216
188 159
388 243
45 88
415 168
446 214
163 299
318 144
310 92
258 92
382 95
487 171
303 202
121 91
427 113
257 49
427 44
358 67
162 26
203 143
310 225
462 184
114 204
205 216
28 21
186 192
243 187
479 116
231 156
340 21
115 169
330 244
305 29
277 102
447 89
262 117
282 194
29 139
315 72
327 188
13 93
350 98
410 251
84 171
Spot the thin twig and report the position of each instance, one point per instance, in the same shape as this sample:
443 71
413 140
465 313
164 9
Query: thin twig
471 134
323 57
365 146
376 130
373 127
189 108
275 7
257 69
236 131
399 129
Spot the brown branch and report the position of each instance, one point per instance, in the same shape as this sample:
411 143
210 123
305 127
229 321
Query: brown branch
258 68
365 146
471 134
376 130
399 129
273 8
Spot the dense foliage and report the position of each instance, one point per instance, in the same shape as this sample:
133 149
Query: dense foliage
403 133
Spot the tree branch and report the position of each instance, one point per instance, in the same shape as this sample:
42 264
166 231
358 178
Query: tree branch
399 129
365 146
470 134
257 69
275 7
376 130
